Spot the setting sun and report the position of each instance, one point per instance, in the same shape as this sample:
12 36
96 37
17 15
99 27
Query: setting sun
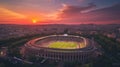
34 21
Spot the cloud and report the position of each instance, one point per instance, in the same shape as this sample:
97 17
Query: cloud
29 5
69 10
6 15
78 14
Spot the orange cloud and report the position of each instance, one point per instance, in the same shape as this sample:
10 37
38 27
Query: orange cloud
8 15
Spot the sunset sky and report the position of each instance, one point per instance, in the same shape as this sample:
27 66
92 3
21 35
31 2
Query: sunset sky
59 11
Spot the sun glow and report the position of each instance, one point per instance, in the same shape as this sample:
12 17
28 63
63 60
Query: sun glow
34 21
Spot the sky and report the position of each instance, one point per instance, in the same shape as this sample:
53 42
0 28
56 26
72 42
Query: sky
59 11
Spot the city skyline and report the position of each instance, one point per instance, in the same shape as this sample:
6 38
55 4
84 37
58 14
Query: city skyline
59 11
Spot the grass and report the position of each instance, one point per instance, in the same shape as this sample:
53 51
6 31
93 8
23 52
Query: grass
63 45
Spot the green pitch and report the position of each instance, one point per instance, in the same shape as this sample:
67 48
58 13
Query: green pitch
63 45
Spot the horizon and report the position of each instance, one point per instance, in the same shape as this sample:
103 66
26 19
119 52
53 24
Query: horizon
59 24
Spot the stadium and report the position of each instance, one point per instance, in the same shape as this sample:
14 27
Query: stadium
62 48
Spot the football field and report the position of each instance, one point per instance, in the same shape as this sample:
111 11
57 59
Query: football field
63 45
